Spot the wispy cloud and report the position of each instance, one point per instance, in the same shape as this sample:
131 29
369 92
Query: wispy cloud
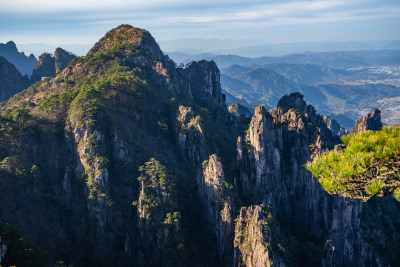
182 18
45 6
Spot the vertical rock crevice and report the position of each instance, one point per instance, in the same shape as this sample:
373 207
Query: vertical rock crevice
277 146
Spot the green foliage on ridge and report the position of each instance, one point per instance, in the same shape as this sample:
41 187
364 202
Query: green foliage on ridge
369 165
157 184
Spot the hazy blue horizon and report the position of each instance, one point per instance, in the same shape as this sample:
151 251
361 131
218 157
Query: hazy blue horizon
246 48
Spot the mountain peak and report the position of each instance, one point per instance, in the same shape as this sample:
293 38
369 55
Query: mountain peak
60 50
9 47
11 81
12 46
23 63
297 102
62 58
125 37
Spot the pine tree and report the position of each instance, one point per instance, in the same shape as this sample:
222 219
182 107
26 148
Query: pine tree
368 166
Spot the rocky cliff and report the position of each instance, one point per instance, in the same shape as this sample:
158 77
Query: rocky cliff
253 238
130 160
334 126
44 67
205 80
372 121
277 146
62 58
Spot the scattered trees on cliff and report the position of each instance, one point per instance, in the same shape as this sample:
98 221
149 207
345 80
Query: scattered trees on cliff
156 186
367 167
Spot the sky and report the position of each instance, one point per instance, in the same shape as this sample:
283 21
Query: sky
85 21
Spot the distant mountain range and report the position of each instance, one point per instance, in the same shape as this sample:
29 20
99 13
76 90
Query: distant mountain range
39 48
290 48
259 48
11 80
245 48
342 59
13 63
259 85
22 62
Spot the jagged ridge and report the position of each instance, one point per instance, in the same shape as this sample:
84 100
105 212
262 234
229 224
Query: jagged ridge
110 113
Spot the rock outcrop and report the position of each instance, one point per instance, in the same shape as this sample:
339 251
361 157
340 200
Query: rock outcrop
214 194
296 101
334 126
91 162
278 144
44 67
238 110
48 65
253 238
204 78
159 219
372 121
212 189
62 58
191 136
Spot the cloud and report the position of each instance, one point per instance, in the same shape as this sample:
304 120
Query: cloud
304 12
178 18
49 6
54 6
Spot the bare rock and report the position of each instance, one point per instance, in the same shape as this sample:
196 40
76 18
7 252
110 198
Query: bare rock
372 121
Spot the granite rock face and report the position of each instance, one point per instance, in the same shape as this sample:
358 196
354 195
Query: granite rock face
334 126
44 67
204 77
296 101
212 190
62 58
253 238
372 121
279 143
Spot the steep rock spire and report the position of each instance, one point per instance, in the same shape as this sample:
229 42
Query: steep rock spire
372 121
44 67
296 101
204 79
62 59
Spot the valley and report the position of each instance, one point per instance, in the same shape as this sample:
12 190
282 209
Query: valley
349 92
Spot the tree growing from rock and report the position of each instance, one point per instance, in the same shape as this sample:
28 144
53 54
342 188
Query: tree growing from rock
368 166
